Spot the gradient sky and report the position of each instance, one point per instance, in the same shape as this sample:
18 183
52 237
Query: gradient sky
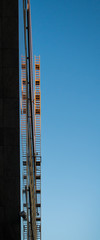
66 34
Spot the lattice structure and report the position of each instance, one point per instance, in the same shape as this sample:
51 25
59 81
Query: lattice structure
38 145
31 189
31 136
28 183
24 148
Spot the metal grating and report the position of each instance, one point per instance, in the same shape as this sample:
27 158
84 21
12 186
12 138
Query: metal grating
24 148
38 145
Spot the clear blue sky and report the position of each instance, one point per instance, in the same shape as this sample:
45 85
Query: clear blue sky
66 34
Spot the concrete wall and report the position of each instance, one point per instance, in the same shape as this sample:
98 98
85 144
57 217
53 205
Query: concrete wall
9 122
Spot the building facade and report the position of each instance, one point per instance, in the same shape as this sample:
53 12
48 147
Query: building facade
9 121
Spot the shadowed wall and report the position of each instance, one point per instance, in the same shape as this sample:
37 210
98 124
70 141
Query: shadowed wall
9 122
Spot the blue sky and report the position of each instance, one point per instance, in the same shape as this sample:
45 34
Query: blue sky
66 35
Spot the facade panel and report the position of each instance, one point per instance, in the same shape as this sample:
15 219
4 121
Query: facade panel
9 122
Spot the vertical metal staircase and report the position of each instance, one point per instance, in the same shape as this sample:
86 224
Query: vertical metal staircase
38 145
31 166
24 149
